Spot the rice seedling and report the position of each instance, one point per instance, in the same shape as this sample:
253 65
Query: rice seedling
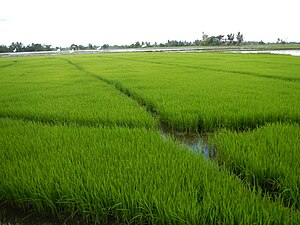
267 158
50 90
72 142
130 174
196 92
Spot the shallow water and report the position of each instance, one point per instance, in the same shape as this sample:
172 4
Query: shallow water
196 142
280 52
199 49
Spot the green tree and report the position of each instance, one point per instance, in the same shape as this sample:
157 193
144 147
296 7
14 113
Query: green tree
239 38
18 46
137 45
81 47
74 47
230 38
4 48
47 47
197 43
105 46
91 47
204 39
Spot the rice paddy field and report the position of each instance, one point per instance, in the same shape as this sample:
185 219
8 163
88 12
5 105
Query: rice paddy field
81 135
192 91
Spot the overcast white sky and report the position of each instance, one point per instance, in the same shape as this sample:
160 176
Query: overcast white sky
64 22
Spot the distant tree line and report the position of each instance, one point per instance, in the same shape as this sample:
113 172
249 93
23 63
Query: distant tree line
81 47
19 47
206 40
229 39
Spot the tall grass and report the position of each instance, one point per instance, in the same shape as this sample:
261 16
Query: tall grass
131 175
267 158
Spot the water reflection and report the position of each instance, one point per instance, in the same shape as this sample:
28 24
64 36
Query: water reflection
246 51
198 143
280 52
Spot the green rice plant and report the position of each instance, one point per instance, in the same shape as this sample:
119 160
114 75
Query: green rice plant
88 165
51 90
205 91
267 158
129 174
257 65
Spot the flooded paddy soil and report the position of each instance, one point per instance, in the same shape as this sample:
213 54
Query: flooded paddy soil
196 142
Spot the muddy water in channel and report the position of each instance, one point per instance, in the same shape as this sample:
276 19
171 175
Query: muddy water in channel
196 142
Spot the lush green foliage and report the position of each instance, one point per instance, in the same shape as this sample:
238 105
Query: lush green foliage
268 157
51 90
131 174
202 91
70 142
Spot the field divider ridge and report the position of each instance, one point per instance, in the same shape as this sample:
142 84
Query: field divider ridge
68 122
8 65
